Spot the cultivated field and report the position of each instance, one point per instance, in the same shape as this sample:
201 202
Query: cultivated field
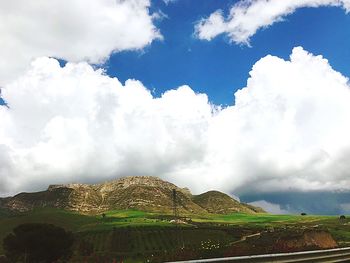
137 235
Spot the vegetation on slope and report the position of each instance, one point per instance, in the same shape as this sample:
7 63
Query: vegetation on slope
219 203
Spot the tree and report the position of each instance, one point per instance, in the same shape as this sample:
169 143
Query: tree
33 243
342 219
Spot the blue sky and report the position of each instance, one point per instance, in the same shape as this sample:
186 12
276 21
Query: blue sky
218 67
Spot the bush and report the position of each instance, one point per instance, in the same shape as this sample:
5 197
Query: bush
38 243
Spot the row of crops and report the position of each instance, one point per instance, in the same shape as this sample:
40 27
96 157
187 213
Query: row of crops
153 240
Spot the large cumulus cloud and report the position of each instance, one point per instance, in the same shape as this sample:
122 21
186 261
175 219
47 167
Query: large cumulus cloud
73 30
288 129
76 124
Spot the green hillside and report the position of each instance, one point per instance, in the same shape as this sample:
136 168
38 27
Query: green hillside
220 203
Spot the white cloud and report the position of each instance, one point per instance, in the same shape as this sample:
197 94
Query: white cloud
288 130
74 30
248 16
76 124
270 207
169 1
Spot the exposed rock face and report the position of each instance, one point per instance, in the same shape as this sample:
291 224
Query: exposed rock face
142 192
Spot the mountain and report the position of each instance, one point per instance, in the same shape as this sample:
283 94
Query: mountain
220 203
145 193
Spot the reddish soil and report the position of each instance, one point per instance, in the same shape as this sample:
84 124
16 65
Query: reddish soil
309 239
280 242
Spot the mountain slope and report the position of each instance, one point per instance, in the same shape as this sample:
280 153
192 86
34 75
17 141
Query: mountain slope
220 203
140 192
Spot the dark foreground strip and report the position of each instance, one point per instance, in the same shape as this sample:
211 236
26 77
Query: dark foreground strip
317 256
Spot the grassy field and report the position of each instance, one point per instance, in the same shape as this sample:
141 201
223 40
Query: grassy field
78 223
263 219
137 234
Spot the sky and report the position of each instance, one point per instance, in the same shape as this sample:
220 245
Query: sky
218 67
247 97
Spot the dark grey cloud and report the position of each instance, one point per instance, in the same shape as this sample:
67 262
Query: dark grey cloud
316 202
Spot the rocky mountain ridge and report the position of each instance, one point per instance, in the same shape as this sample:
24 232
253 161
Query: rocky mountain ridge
145 193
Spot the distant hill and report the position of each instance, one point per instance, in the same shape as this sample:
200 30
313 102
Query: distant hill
220 203
145 193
